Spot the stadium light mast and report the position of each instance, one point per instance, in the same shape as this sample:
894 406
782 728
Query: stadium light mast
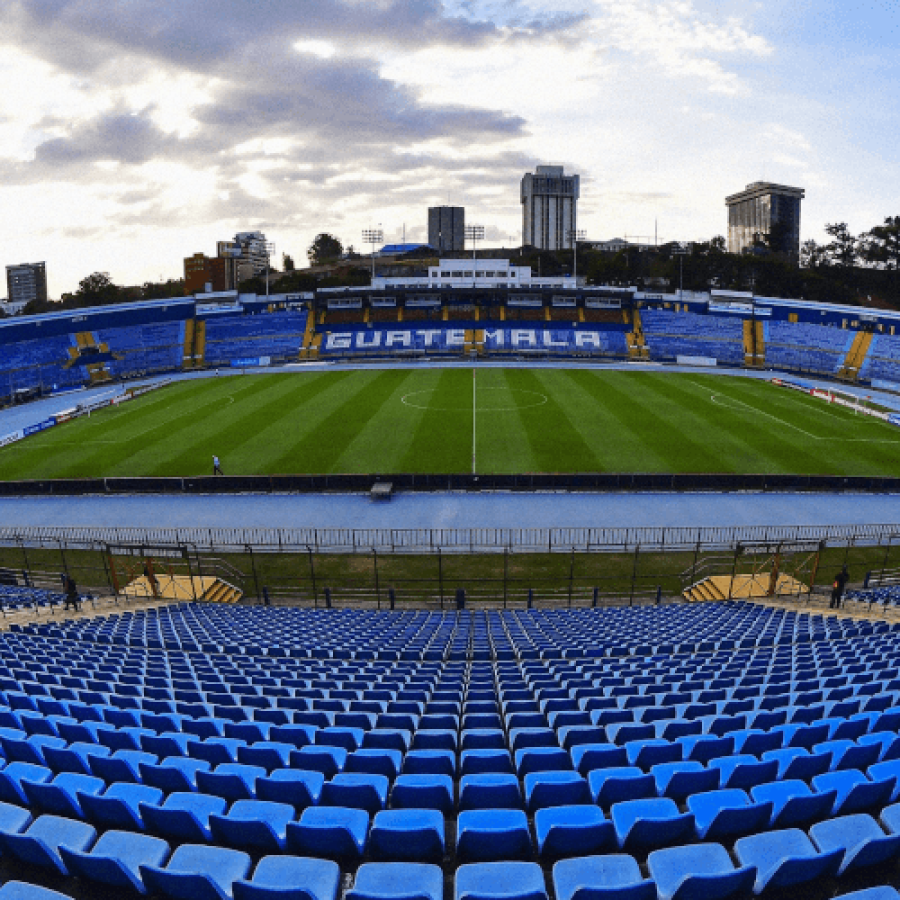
373 236
680 250
575 235
474 233
269 250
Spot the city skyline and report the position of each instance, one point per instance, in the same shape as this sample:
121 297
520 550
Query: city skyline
133 135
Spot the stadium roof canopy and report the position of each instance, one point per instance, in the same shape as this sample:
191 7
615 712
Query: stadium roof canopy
398 249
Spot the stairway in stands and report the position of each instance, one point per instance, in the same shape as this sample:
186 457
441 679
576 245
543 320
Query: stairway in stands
856 355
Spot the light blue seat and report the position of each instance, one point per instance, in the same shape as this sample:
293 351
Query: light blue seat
586 757
542 759
483 739
21 890
296 735
859 837
855 792
423 792
394 881
479 762
74 758
544 789
726 814
258 825
698 872
847 754
797 762
702 748
743 771
184 816
233 781
618 783
267 755
29 749
678 780
11 778
566 831
430 762
887 742
168 743
484 835
62 795
216 750
123 765
375 762
489 792
652 752
332 832
39 845
500 881
300 789
291 878
793 802
650 823
616 876
197 872
327 760
368 792
13 819
116 858
174 773
119 805
784 858
756 741
407 835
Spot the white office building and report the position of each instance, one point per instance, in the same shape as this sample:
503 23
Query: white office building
549 200
481 273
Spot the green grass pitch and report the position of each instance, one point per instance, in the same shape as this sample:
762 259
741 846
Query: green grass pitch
435 420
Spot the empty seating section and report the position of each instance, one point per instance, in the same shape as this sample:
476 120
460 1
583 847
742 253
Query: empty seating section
14 597
887 595
38 363
883 359
813 348
682 750
669 334
235 337
144 348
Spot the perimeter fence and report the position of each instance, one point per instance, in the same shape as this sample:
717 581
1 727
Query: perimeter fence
430 567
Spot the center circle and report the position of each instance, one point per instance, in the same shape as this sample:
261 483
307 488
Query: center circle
531 399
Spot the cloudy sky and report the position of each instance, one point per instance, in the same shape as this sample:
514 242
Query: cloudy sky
136 132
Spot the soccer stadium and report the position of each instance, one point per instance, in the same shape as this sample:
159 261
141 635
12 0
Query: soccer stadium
559 710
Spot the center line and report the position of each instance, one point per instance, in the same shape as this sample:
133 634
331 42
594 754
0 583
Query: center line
473 421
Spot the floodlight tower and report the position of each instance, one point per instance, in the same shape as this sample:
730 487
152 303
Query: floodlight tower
373 236
269 249
574 235
681 250
474 233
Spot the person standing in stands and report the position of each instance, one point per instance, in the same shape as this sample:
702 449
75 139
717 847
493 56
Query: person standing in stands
837 589
217 469
72 598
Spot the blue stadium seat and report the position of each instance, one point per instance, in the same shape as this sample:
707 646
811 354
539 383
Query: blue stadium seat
500 881
116 858
650 823
590 877
407 835
395 881
698 871
197 872
40 843
566 831
859 837
487 835
332 832
290 878
785 858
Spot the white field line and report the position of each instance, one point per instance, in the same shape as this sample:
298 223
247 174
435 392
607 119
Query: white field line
813 437
474 407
